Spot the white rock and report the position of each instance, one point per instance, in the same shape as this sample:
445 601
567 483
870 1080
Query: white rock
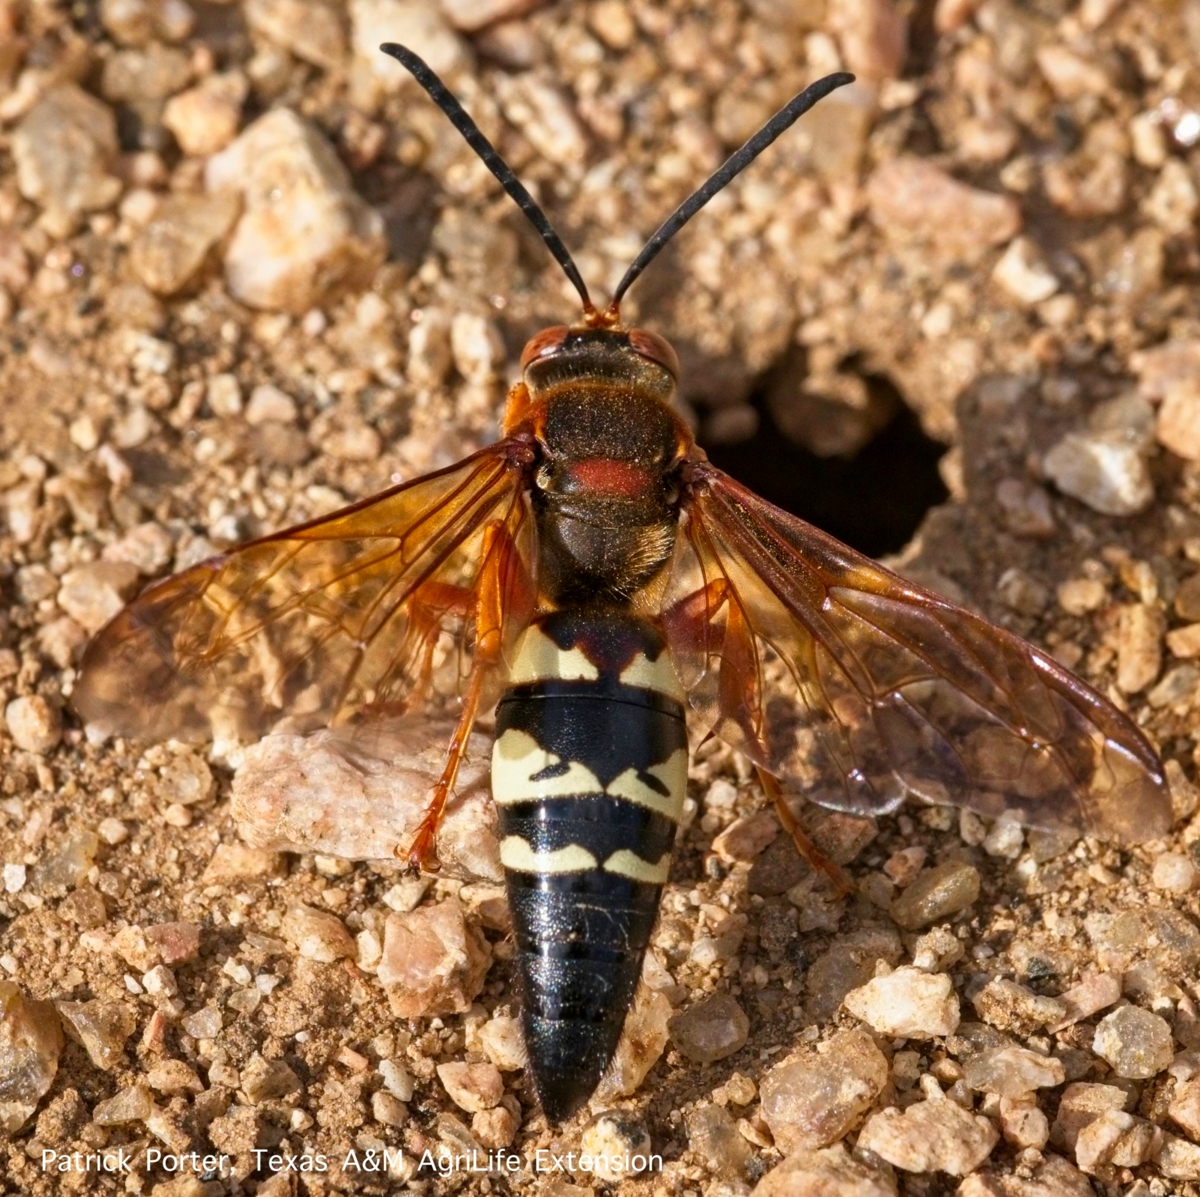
418 24
361 801
65 151
304 234
1023 273
907 1003
932 1136
1103 470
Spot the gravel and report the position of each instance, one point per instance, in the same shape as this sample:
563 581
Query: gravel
248 274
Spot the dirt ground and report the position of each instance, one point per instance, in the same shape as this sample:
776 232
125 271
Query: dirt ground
206 334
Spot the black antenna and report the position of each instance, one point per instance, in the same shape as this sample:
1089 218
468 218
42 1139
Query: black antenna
441 96
733 166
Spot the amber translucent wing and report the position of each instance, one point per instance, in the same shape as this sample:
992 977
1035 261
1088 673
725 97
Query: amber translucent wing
335 616
857 688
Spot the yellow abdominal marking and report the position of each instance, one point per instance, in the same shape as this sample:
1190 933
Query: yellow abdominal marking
516 853
631 865
517 756
672 773
538 658
658 676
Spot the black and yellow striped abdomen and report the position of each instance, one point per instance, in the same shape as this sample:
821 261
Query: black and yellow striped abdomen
589 771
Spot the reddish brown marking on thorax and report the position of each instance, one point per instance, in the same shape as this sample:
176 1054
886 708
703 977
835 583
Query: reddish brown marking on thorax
612 478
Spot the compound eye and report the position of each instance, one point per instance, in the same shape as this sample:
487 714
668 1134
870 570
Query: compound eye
656 348
545 344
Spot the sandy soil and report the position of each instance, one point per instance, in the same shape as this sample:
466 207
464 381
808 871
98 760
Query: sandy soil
999 221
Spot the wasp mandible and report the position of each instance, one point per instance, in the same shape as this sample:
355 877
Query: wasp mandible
601 578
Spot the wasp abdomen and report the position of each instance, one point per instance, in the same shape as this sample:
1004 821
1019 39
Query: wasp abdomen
589 771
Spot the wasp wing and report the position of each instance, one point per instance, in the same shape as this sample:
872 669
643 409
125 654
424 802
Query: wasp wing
857 688
312 623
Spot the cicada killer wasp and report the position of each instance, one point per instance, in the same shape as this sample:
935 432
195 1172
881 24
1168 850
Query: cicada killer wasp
602 578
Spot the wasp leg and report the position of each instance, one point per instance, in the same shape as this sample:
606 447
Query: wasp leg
692 626
499 574
804 845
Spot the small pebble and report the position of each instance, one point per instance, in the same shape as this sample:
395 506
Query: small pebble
613 1138
495 1128
1134 1042
268 1080
502 1040
912 199
1012 1071
1023 273
710 1029
92 594
472 1087
434 961
31 1041
907 1003
100 1027
747 837
1115 1139
317 934
831 1172
169 251
304 232
34 724
204 119
936 894
65 152
1012 1007
1174 873
1104 470
813 1100
935 1135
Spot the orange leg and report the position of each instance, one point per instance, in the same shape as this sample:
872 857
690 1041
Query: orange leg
501 584
804 845
690 624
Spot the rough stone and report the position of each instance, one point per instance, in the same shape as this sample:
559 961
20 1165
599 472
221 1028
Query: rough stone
92 594
434 961
204 119
268 1080
1139 646
1104 470
65 151
907 1004
711 1029
310 29
1115 1139
304 234
31 1042
612 1138
1080 1104
1135 1043
936 1135
326 794
747 837
34 724
100 1027
317 934
419 23
911 199
936 894
472 1087
1012 1007
831 1172
643 1040
1012 1071
813 1100
713 1137
168 252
